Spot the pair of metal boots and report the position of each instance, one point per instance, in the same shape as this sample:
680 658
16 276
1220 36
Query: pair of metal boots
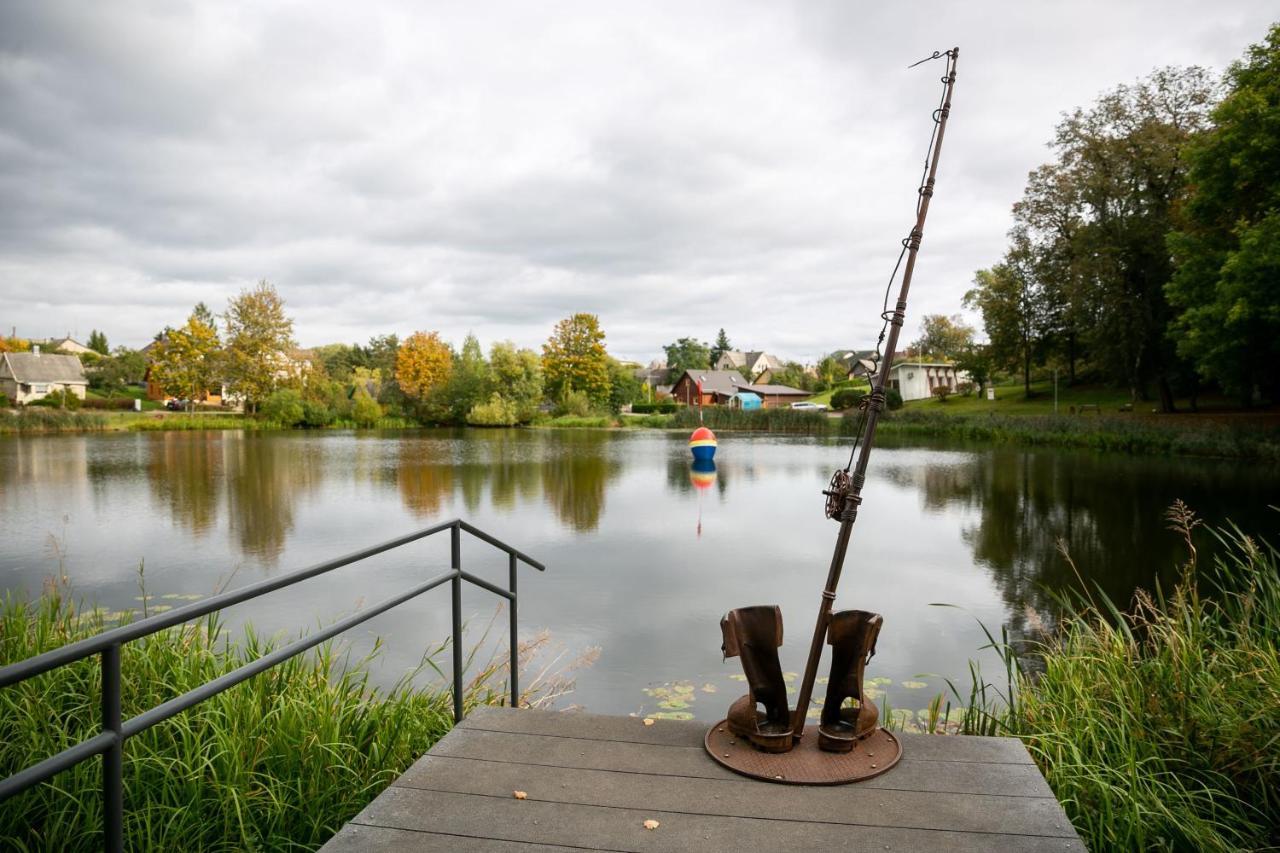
763 717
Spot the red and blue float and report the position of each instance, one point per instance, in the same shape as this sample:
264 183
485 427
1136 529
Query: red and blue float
702 444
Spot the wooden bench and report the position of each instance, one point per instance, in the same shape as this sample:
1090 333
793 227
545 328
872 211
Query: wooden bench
592 781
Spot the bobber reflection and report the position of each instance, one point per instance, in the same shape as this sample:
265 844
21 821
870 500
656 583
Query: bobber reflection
702 474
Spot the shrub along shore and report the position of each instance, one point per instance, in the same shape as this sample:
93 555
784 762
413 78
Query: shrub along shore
1158 728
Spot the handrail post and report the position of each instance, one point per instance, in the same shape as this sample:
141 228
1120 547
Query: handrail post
113 758
455 553
515 643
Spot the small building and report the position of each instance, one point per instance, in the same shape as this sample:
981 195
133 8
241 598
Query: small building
720 387
29 376
855 361
746 400
759 365
915 379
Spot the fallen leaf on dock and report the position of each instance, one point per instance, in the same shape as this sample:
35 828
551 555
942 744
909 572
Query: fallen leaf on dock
651 824
520 795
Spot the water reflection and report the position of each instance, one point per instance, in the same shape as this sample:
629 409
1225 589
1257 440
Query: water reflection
976 527
186 473
1024 507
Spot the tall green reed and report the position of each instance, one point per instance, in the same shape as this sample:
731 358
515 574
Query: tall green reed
1157 726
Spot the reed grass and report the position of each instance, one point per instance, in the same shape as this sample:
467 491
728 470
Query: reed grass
1175 437
279 762
42 420
785 421
1156 726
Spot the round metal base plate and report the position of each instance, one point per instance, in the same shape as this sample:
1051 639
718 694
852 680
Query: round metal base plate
805 764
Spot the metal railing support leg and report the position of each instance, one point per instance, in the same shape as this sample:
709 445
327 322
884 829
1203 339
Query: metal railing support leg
515 642
455 549
113 758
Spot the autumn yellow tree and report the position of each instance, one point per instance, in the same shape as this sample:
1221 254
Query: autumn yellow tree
423 364
185 362
574 359
259 339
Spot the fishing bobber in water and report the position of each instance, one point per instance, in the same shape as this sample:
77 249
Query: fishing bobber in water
702 444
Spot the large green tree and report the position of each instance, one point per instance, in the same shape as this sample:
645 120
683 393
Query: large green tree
259 342
943 336
98 342
720 347
516 376
1095 221
1012 307
1226 289
574 359
687 354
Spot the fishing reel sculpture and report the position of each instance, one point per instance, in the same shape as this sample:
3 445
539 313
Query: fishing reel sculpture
761 736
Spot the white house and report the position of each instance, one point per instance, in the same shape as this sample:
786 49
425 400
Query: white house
29 376
760 365
915 380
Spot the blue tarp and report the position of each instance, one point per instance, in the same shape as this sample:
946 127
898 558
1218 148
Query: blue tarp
746 400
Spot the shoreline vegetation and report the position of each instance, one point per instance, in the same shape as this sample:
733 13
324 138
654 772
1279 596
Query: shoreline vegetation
1206 435
1157 727
279 762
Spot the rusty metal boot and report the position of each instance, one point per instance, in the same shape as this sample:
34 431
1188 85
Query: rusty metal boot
852 637
754 635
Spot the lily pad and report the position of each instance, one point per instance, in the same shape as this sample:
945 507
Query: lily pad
914 685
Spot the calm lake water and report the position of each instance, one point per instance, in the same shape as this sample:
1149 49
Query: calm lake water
641 561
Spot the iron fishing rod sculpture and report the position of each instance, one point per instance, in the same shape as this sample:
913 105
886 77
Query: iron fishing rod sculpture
761 736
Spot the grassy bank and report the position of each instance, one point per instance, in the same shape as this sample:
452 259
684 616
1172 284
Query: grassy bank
1159 727
1126 434
279 762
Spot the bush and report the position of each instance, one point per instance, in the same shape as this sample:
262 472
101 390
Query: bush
892 399
573 403
365 411
58 398
4 401
316 414
847 398
663 407
284 407
497 412
942 392
965 388
122 403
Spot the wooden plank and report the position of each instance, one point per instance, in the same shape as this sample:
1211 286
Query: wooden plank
610 828
355 837
911 774
989 750
850 805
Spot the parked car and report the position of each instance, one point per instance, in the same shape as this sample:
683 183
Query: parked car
175 405
806 406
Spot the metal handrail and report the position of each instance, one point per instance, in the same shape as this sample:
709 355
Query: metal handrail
109 743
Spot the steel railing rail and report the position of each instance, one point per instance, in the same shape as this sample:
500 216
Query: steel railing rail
109 743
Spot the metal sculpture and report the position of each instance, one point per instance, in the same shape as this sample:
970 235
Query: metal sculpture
849 745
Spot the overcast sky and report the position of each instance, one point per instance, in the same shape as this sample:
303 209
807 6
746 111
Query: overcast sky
671 167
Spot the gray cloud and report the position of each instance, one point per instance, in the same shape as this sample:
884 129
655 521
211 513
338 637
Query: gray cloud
409 166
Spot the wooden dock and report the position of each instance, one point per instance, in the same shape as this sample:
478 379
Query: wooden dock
593 781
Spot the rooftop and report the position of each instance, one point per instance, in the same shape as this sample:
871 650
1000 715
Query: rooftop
44 367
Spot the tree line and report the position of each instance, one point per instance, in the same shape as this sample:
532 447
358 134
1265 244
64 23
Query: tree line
1146 253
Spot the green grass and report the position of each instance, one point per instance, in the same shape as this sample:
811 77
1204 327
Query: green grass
279 762
1158 728
579 422
1012 400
